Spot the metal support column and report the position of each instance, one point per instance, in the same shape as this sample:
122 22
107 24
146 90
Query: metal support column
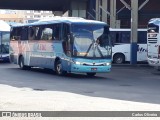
113 13
134 27
104 14
97 10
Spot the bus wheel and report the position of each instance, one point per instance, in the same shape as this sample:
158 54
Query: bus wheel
58 68
21 64
91 74
119 58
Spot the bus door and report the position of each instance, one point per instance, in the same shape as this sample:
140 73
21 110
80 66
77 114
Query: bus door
66 43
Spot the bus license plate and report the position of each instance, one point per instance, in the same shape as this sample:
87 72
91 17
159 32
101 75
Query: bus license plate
93 69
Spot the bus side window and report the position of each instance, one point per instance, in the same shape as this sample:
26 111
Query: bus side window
142 37
125 37
12 34
47 33
15 33
31 34
56 32
112 36
24 33
117 35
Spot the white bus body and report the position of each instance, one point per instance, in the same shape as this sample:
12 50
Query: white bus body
153 42
4 41
121 50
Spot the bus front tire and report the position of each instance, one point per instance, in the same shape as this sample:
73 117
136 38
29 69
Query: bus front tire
58 68
21 64
91 74
119 58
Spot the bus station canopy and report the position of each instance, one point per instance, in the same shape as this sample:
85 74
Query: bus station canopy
54 5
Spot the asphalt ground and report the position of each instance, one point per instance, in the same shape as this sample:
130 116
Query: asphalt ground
138 84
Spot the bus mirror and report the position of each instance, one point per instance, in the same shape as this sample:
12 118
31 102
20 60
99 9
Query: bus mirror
112 43
69 37
105 40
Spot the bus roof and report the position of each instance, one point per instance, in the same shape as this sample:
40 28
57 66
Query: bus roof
154 21
4 26
61 20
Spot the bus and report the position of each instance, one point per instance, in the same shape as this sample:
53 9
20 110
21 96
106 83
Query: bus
4 41
153 42
64 44
121 50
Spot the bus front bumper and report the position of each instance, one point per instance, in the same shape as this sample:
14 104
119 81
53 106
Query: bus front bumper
154 62
4 59
91 69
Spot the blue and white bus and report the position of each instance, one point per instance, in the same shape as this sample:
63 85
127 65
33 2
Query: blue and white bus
4 41
64 44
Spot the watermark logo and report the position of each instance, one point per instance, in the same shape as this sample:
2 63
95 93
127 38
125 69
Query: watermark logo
20 114
35 114
6 114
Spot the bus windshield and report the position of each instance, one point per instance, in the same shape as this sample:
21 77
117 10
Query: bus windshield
91 41
152 28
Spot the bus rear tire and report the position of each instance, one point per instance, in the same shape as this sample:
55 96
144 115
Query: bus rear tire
119 58
91 74
58 68
21 64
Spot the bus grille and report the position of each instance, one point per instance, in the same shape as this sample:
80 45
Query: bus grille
152 40
94 64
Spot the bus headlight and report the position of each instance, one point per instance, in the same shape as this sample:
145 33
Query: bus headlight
77 63
107 64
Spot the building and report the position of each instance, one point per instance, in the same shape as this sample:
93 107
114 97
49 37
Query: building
11 16
24 16
34 15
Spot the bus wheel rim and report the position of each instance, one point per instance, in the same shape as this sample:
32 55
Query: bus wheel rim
21 64
59 67
119 60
